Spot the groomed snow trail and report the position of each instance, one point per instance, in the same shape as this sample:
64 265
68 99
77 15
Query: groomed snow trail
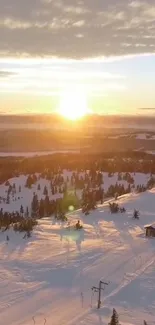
51 274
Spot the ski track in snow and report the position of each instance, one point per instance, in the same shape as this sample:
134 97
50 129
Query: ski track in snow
51 274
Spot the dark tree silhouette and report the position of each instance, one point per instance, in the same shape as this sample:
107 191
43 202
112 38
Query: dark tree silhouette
114 318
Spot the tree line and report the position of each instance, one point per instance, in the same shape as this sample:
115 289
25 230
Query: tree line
111 162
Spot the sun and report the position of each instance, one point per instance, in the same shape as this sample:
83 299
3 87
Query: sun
73 105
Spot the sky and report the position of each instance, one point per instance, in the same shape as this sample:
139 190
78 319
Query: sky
100 53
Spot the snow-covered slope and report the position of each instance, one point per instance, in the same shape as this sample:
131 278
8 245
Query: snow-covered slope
137 136
144 136
35 153
50 275
25 195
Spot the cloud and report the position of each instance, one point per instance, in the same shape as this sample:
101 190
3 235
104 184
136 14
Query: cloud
53 80
76 29
6 74
147 108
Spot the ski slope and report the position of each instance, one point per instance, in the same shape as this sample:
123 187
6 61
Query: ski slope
49 276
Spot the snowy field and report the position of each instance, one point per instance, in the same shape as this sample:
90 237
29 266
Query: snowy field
145 136
50 275
24 195
151 152
35 153
138 136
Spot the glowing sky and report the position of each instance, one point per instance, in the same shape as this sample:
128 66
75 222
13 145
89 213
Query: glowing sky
40 40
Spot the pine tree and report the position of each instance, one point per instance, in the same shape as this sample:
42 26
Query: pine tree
119 177
45 192
41 208
7 183
29 182
129 188
72 180
151 182
47 205
34 177
114 318
116 196
8 199
27 212
39 187
21 210
35 205
136 214
14 188
9 189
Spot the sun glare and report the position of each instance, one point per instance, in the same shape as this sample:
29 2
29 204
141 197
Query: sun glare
73 105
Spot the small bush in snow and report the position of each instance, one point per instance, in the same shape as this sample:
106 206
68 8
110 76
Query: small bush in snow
7 183
114 207
26 225
136 214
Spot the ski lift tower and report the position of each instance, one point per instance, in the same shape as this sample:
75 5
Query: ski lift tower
99 289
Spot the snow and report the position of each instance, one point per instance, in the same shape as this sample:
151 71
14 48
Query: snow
138 136
50 275
152 225
141 137
151 152
24 197
145 136
35 153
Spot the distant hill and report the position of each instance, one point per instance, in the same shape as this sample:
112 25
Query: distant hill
56 121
